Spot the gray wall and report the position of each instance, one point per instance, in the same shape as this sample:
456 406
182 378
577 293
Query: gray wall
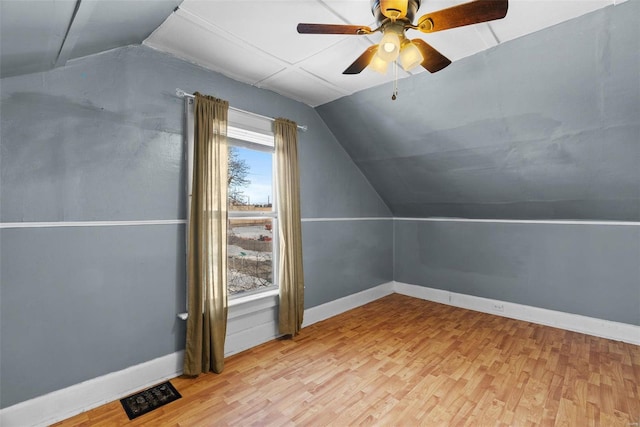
591 270
545 127
101 140
346 255
82 302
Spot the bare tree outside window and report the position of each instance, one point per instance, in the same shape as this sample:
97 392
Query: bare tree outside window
237 177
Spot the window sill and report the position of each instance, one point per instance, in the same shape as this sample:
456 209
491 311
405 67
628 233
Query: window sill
246 304
253 297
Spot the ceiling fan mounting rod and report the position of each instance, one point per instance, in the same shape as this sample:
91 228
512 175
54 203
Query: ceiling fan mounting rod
412 7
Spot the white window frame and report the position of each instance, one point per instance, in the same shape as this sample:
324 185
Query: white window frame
254 132
261 141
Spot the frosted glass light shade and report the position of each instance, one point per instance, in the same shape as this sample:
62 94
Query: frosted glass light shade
410 56
389 47
378 64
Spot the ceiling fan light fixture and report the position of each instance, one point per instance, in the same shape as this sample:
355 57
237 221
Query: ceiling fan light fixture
410 56
378 64
394 19
389 47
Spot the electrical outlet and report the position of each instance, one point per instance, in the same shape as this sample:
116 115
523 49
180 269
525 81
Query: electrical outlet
498 307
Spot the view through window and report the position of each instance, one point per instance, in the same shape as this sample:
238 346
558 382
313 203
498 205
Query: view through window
252 220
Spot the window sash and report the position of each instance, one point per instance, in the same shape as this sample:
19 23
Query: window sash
246 131
258 139
274 256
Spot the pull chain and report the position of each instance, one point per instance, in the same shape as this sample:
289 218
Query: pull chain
395 81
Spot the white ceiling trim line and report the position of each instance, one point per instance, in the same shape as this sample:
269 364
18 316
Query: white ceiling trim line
371 218
526 221
55 224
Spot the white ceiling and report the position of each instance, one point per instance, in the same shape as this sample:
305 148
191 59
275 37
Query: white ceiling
256 42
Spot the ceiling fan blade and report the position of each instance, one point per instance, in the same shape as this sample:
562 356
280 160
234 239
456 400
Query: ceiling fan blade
394 9
465 14
362 61
333 29
433 60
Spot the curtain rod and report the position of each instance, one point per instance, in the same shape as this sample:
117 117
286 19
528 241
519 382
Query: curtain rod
182 94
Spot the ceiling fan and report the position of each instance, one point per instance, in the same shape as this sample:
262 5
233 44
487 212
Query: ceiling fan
395 17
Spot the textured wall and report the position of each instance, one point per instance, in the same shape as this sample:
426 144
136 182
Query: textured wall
591 270
346 256
101 140
85 301
542 127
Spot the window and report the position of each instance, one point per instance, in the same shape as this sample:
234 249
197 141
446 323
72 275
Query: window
252 227
252 220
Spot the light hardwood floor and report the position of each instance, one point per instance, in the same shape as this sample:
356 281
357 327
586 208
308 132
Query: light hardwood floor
407 362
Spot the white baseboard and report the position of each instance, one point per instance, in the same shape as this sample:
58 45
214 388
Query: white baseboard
62 404
65 403
572 322
259 333
70 401
333 308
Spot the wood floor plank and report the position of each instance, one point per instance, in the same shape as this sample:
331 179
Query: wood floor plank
406 361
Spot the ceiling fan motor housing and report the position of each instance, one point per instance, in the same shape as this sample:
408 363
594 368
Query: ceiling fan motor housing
392 8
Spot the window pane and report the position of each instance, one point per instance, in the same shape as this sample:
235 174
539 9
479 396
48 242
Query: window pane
249 254
250 178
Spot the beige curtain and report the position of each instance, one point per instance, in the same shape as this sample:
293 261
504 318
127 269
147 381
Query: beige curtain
290 271
207 246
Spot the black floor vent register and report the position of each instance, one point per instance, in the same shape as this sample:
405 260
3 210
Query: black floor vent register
149 399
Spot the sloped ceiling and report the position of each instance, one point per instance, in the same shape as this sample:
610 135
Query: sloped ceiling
543 127
537 118
38 35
